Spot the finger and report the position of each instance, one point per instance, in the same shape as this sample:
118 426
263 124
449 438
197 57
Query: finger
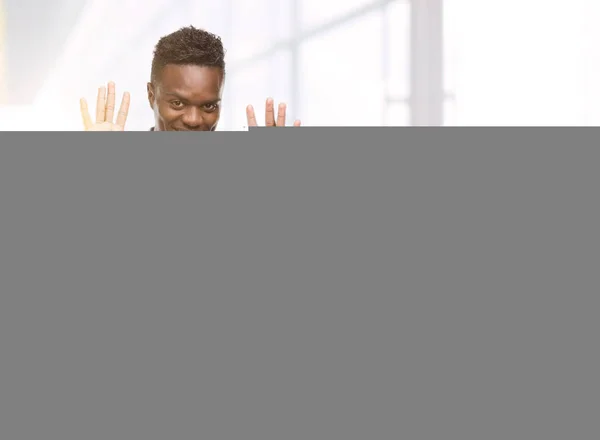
101 105
85 114
123 110
110 102
250 116
297 123
281 115
270 113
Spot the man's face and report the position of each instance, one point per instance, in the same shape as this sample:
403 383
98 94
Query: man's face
187 98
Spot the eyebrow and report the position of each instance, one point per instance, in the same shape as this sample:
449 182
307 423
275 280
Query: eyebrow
208 101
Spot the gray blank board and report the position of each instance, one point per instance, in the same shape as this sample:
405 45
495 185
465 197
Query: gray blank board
337 284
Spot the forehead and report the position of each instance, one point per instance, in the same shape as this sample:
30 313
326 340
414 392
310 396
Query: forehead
200 82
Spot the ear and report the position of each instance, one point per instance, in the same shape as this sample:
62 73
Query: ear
151 95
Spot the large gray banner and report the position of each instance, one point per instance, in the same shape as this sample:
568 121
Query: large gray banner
310 284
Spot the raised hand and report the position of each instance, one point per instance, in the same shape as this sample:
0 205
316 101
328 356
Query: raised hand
105 109
270 115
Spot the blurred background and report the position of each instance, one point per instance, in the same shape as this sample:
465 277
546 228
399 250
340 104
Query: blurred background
335 62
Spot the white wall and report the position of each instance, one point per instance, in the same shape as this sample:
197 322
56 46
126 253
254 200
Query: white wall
24 118
523 62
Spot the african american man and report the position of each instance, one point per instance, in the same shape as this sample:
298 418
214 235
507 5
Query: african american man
185 88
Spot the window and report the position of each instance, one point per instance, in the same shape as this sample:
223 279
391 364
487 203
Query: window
257 26
397 115
333 62
265 78
318 12
397 47
342 76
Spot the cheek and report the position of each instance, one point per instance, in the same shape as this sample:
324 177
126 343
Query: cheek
214 117
166 112
213 121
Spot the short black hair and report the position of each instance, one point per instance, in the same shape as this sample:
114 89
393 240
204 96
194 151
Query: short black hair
188 46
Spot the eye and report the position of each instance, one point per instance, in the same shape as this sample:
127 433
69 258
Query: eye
211 107
177 104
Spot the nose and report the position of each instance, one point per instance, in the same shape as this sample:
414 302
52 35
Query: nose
192 118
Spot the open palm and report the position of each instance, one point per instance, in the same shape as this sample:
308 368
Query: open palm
105 110
270 120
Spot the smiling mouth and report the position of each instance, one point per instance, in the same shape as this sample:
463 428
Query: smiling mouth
185 129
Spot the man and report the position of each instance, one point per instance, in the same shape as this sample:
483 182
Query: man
185 88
